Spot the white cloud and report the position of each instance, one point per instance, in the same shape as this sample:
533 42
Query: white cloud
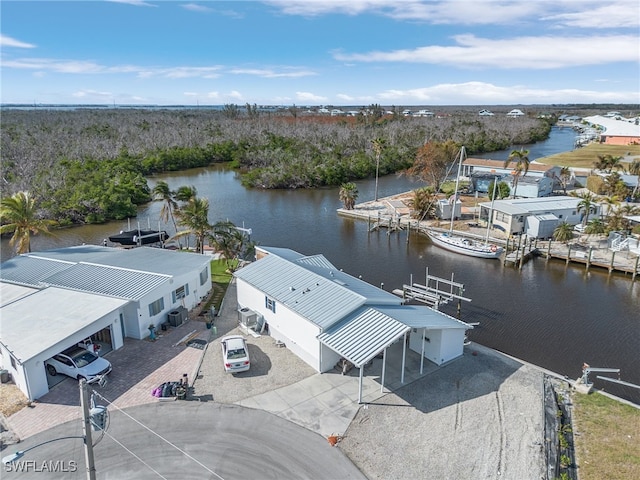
309 97
481 93
267 73
213 95
523 52
235 95
6 41
194 7
619 14
345 98
92 94
135 3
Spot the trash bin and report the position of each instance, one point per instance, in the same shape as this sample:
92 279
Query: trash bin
4 376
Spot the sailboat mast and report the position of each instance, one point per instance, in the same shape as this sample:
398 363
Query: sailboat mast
455 194
490 219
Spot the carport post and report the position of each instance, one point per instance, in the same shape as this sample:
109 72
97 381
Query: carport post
404 355
384 364
360 384
424 331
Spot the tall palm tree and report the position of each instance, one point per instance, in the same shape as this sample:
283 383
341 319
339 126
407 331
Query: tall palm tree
587 205
348 195
162 192
185 193
194 216
521 158
378 145
19 215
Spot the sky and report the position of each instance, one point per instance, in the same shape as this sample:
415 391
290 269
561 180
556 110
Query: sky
313 52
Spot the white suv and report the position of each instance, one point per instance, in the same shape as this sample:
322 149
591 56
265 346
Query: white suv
78 363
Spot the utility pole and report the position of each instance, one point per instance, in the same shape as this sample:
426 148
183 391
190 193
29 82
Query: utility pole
86 430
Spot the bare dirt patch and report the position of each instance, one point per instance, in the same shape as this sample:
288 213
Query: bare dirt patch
12 399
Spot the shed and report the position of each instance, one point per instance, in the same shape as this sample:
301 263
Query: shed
541 226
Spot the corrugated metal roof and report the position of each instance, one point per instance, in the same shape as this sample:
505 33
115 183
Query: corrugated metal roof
30 271
316 261
362 335
146 259
534 205
420 316
318 299
110 281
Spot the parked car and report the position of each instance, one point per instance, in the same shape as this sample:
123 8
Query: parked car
235 354
78 363
580 228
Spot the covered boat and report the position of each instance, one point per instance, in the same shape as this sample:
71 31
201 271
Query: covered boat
139 237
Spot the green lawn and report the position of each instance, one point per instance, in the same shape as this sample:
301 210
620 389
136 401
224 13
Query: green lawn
586 156
220 279
608 438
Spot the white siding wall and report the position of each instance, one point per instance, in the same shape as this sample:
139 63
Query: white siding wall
328 358
298 334
440 346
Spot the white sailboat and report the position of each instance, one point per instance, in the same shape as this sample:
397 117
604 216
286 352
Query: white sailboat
459 244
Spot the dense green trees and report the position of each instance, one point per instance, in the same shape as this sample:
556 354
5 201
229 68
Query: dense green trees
90 165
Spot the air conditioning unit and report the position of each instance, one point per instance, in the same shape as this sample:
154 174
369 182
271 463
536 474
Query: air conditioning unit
175 318
248 318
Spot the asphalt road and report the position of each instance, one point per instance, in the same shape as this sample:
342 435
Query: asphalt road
190 440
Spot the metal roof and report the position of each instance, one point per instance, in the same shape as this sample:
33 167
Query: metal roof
41 320
534 205
30 271
111 281
363 334
146 259
316 298
420 316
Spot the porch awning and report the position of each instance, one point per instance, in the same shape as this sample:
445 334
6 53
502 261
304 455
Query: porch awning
363 334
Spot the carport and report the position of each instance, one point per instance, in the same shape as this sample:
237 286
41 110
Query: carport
38 326
362 336
368 331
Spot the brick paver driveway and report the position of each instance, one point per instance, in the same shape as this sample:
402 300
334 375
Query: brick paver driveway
138 367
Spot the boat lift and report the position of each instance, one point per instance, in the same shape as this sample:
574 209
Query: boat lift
587 369
437 291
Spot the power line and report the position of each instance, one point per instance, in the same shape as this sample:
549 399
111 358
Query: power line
136 457
158 435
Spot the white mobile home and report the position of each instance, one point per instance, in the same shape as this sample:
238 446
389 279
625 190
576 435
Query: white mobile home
510 215
90 291
324 315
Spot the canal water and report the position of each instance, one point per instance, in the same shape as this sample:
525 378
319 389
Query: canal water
550 314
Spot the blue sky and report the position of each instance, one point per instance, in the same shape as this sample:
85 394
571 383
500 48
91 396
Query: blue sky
312 52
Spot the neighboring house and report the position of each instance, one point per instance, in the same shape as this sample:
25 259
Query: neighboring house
511 215
423 113
485 113
482 171
515 113
336 112
324 111
51 300
324 315
616 130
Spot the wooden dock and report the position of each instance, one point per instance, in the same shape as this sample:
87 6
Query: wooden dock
385 215
575 253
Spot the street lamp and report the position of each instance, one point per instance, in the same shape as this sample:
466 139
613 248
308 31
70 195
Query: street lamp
96 418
